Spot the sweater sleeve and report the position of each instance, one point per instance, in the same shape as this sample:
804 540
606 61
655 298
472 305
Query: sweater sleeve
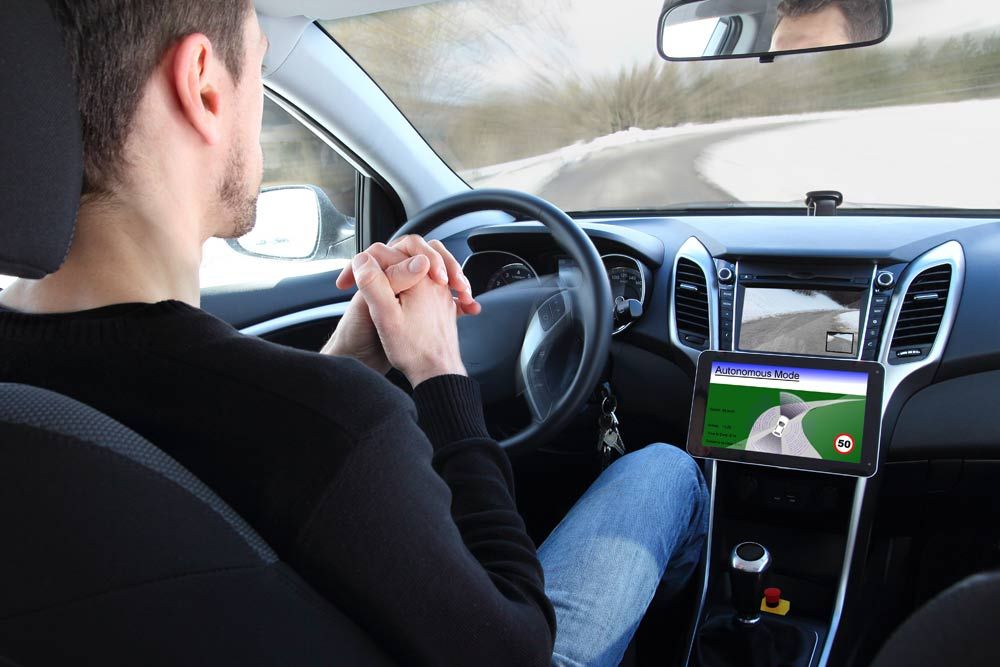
418 538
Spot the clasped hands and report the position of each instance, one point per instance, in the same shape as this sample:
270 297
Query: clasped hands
404 314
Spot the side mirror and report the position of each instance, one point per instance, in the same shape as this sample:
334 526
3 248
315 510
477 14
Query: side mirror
299 223
718 29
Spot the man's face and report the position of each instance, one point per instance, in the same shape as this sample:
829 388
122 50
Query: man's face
827 27
240 185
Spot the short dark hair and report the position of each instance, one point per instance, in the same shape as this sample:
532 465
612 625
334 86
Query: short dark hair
865 20
115 45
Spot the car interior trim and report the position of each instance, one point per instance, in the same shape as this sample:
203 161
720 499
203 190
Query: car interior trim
845 571
694 251
864 329
320 133
350 105
331 311
947 254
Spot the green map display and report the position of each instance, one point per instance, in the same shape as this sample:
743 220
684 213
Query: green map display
791 422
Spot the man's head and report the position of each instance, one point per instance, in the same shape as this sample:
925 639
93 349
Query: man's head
804 24
170 97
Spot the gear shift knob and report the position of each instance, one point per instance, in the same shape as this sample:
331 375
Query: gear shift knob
748 565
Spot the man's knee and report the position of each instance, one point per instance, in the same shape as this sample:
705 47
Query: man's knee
665 470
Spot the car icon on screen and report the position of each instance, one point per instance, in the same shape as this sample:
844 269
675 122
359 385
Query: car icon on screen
780 427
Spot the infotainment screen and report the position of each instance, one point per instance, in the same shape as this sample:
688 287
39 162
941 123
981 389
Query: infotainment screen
801 321
809 414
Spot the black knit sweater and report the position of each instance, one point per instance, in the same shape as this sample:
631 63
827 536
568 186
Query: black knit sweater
400 511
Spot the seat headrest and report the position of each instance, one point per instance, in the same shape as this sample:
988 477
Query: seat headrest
41 151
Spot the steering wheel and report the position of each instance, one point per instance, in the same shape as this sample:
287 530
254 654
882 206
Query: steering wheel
531 336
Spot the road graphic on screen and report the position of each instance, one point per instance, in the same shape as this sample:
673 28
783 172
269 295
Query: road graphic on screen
806 413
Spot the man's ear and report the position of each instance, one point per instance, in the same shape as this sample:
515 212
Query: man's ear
196 84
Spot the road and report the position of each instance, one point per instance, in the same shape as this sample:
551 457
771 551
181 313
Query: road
654 173
793 440
799 333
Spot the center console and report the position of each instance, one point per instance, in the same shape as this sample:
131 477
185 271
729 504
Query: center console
796 415
801 364
815 310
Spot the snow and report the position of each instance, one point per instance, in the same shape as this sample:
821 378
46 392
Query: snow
759 304
850 320
875 156
534 173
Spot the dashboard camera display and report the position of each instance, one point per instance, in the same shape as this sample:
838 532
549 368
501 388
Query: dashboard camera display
792 321
808 414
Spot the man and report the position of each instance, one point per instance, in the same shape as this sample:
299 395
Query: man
398 510
805 24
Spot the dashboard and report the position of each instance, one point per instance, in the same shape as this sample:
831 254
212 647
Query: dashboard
490 270
917 294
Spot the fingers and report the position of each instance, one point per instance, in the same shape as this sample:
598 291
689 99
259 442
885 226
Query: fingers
380 252
442 267
468 308
406 274
378 293
456 277
414 245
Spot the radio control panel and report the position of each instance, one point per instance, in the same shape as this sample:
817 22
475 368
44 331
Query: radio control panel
827 311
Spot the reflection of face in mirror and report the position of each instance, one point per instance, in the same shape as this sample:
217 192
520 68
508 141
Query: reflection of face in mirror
807 24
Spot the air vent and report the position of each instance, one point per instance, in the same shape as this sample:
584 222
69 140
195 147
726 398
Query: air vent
921 314
691 304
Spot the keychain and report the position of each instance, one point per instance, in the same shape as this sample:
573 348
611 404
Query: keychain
610 442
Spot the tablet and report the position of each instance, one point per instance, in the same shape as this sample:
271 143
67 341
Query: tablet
802 413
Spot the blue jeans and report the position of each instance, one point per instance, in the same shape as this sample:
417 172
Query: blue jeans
644 520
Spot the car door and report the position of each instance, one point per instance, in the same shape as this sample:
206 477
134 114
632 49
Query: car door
295 301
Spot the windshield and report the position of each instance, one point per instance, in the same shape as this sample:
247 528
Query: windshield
568 99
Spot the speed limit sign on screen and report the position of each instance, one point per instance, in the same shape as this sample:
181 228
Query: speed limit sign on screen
843 443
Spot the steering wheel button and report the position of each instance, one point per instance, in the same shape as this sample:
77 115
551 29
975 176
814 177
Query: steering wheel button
558 308
546 317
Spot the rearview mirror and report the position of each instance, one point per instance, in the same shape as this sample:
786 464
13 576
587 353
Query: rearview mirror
718 29
297 222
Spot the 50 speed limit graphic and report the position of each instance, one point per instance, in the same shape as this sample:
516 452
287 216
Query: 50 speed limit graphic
844 443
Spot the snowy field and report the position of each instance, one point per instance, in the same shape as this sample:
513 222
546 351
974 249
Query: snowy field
936 155
534 173
876 156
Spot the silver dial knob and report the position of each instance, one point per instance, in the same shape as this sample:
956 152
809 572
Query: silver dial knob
885 279
725 275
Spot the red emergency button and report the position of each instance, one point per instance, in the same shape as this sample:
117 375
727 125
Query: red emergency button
772 597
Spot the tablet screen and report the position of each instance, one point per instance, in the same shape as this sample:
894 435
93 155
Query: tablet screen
792 412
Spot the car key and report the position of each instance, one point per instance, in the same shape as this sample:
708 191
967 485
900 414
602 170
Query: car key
611 444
